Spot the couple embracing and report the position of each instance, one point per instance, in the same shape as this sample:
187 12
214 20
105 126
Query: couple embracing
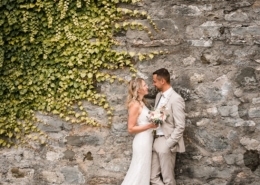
154 156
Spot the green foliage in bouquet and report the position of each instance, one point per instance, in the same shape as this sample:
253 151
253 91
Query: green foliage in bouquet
52 55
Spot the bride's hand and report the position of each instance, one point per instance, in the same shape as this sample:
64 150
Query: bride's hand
152 125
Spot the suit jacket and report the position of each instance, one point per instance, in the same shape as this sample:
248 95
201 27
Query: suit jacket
173 127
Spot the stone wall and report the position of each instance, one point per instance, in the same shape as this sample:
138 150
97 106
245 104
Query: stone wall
214 62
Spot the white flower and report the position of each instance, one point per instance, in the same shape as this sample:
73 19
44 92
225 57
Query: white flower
157 116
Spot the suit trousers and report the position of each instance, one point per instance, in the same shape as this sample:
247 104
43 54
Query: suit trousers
163 163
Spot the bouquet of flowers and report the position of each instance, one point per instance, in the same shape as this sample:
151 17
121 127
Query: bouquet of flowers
157 116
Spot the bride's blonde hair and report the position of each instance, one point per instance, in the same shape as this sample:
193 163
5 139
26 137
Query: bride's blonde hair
133 86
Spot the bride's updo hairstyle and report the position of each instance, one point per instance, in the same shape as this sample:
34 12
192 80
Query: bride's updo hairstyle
133 86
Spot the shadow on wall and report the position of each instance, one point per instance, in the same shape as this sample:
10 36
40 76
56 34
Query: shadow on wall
251 159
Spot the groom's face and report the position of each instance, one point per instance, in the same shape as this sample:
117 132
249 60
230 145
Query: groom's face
158 82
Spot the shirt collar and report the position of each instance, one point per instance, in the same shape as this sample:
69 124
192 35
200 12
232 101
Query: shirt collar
167 92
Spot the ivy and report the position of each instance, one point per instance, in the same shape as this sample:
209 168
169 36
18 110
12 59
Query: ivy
52 55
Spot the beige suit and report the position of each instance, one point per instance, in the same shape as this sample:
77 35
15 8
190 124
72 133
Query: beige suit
165 148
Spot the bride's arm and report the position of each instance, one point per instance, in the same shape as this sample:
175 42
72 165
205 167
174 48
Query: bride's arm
133 113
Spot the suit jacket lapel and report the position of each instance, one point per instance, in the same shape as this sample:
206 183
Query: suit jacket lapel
169 97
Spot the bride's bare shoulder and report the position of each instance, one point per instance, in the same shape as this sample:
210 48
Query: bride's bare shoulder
134 105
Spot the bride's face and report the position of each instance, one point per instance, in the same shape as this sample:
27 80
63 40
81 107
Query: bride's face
143 90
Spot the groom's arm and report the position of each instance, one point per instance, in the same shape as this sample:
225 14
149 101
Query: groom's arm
178 112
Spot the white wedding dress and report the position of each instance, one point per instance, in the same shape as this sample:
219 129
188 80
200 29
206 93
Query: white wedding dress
140 167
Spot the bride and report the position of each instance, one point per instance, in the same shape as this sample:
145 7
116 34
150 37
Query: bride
140 167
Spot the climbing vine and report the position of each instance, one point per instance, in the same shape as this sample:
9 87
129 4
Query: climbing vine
52 55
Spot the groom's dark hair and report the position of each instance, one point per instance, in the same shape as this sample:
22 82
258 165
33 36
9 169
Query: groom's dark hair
163 73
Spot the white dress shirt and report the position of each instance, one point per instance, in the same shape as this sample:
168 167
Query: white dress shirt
162 102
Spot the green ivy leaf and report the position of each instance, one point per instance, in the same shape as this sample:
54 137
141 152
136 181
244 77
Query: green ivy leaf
52 54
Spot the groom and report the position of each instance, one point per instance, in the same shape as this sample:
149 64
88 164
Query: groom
169 136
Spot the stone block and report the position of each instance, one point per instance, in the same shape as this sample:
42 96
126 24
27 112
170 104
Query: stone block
54 156
213 111
168 34
232 135
218 182
72 175
52 177
21 176
210 172
156 43
238 92
244 53
52 123
189 61
238 122
250 144
209 94
224 111
211 142
218 159
224 85
211 58
75 140
103 180
229 111
245 123
237 16
240 160
245 35
197 78
209 29
256 100
201 43
254 112
84 140
137 35
96 112
168 29
256 6
203 122
120 127
247 77
232 159
69 154
115 165
191 10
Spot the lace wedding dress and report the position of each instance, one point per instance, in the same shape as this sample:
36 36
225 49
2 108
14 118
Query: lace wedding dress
140 167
